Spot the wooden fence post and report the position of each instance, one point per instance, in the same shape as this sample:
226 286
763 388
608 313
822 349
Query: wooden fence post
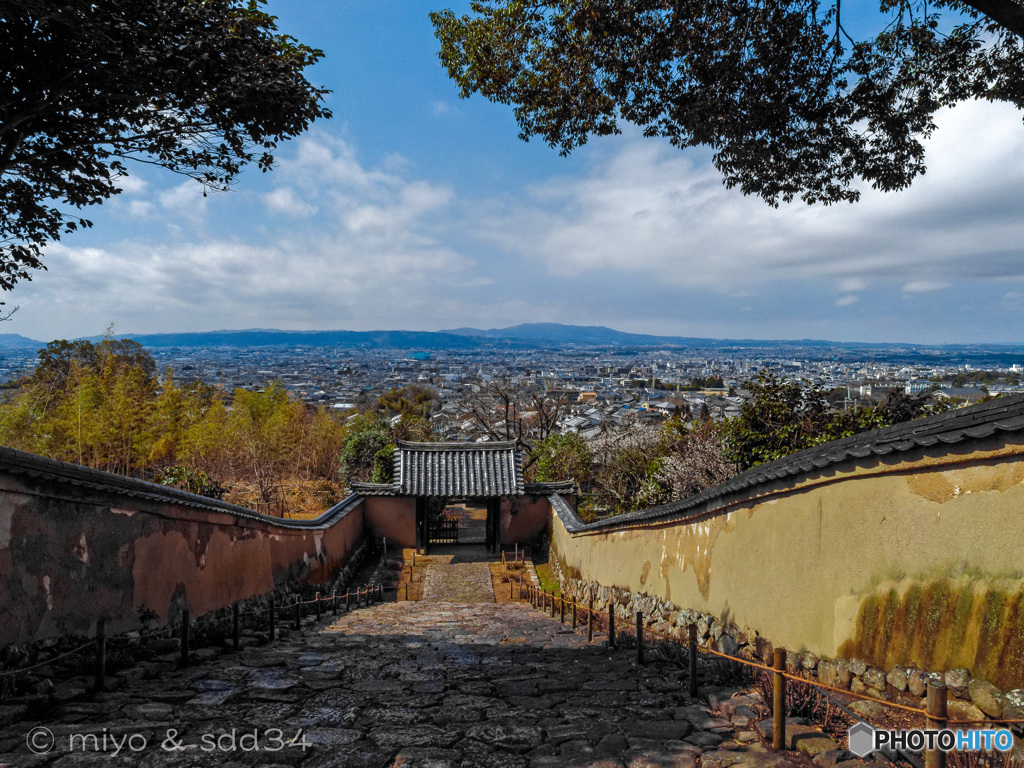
779 701
640 638
184 636
101 654
298 612
590 620
273 618
348 601
236 628
691 659
937 707
611 625
561 609
334 602
574 615
319 610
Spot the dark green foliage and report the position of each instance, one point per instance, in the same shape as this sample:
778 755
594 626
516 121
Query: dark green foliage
190 479
367 451
710 382
199 88
368 445
561 457
786 416
410 400
781 418
789 103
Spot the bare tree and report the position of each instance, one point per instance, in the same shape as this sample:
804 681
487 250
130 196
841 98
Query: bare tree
695 460
525 415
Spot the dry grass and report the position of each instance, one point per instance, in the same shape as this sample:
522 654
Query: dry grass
983 759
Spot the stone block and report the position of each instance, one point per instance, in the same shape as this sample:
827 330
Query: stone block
869 710
728 645
12 713
958 680
873 678
843 674
833 757
897 678
827 674
915 682
957 709
858 667
987 697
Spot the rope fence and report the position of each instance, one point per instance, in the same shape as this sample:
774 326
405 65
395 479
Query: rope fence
603 622
189 634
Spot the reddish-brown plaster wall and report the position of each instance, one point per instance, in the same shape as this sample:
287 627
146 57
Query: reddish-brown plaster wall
70 555
393 517
523 517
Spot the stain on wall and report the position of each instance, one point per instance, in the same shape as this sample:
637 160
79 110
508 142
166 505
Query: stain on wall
914 562
523 518
69 555
943 624
393 517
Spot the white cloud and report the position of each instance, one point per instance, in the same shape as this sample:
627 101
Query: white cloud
645 208
642 237
925 286
141 209
284 200
368 257
132 185
185 199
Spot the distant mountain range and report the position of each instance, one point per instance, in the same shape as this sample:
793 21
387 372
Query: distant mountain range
17 341
548 335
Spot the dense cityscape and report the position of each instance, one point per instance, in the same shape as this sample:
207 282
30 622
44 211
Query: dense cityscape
600 388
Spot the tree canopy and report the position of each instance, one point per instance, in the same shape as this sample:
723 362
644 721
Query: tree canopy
199 88
791 104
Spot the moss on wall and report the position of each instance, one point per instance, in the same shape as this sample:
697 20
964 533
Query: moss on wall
944 624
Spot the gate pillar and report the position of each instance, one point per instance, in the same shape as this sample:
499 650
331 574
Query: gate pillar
422 526
493 530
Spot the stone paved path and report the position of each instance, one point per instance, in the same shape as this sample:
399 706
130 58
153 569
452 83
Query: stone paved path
429 685
445 581
415 684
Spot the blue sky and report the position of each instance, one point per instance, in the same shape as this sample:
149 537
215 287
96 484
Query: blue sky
414 209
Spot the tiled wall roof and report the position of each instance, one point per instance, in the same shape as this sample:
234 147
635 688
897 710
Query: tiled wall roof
61 473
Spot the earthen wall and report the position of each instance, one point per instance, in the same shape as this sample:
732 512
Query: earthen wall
915 561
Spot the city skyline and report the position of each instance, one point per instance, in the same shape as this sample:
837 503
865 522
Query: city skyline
414 210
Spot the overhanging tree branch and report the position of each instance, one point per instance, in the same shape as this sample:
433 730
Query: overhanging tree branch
201 89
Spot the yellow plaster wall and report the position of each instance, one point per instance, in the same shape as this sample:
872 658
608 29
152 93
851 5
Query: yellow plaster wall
916 562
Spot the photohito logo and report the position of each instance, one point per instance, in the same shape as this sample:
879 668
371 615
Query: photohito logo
863 739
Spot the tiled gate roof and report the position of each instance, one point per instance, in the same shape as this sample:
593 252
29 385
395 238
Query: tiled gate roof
459 470
455 469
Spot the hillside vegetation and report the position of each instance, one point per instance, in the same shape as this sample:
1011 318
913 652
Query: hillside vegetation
104 406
